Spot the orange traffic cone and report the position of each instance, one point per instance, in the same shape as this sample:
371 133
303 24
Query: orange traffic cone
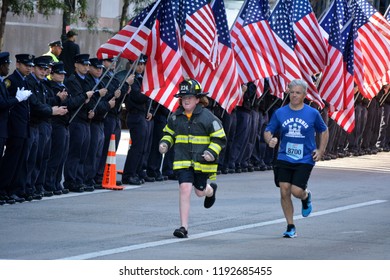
130 142
109 175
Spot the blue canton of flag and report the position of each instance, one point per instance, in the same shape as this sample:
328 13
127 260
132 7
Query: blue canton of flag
167 25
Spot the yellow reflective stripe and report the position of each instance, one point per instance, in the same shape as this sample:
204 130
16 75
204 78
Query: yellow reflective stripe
219 133
198 140
215 147
167 129
168 138
207 168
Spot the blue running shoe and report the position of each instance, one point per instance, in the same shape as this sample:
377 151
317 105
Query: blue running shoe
290 232
306 205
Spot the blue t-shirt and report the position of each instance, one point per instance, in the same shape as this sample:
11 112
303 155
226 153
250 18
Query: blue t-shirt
297 132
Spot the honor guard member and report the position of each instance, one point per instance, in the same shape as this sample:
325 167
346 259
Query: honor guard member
80 92
59 133
39 143
6 103
97 122
55 50
112 121
13 169
137 118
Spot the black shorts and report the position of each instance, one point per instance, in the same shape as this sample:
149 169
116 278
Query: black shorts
199 180
294 173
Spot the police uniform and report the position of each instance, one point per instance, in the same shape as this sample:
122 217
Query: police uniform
112 121
6 102
13 170
39 142
52 55
95 149
59 138
137 107
79 129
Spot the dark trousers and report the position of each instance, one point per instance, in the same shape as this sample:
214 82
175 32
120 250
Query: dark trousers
240 139
43 155
227 120
249 148
154 160
13 170
383 140
257 157
2 145
58 153
33 147
137 125
94 151
79 139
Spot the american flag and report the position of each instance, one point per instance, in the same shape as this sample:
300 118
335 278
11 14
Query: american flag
388 14
255 45
372 50
163 70
293 53
222 83
198 30
345 117
130 41
337 77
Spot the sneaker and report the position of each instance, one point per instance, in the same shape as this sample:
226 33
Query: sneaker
209 201
306 205
290 232
180 232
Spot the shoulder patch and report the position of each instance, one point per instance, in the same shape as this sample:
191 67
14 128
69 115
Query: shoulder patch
216 126
7 83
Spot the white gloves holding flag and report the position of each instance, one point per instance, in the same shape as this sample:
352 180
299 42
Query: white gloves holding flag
22 94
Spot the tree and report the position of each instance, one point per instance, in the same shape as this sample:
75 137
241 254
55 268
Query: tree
138 6
44 7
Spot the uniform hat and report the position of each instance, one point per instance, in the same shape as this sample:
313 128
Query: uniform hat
41 61
49 59
97 63
4 58
26 59
58 68
109 59
190 87
55 43
82 59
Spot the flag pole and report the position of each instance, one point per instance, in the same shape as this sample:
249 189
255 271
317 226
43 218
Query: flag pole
387 11
115 59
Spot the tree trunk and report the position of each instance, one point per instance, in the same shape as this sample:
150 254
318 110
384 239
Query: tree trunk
3 19
125 9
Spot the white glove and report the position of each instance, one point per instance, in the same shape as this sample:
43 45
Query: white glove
163 148
22 94
208 156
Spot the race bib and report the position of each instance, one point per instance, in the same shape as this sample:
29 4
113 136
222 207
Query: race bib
294 151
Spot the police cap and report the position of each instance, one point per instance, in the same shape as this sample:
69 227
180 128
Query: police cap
26 59
41 61
82 59
58 68
4 58
55 44
95 62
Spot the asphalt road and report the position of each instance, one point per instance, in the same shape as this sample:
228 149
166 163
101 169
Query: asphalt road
350 220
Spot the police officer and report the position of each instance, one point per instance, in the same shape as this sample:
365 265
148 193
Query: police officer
39 142
70 49
137 118
80 91
6 103
59 134
112 121
13 169
103 105
55 50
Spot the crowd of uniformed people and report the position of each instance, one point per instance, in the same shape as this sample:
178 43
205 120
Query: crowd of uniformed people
59 110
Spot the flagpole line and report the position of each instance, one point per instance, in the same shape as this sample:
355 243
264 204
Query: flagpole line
131 69
106 86
116 58
93 89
